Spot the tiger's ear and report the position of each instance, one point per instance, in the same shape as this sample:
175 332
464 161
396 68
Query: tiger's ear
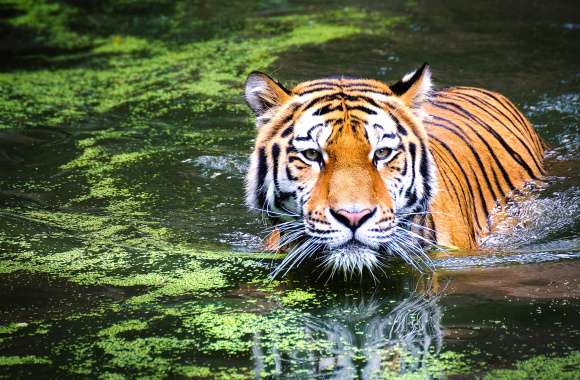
264 93
414 87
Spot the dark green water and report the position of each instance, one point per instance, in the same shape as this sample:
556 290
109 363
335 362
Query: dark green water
125 249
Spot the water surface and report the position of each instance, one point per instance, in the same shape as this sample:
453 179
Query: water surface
125 249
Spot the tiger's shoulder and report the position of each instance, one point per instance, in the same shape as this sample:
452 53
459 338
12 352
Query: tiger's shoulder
483 148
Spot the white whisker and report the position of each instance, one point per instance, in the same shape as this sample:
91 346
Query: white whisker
417 225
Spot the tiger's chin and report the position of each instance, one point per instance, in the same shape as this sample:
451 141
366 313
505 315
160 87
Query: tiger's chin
350 258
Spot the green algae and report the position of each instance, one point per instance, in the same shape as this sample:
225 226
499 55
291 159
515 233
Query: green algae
433 366
193 281
22 360
106 248
541 368
48 22
138 344
200 372
124 326
13 327
298 297
162 80
224 331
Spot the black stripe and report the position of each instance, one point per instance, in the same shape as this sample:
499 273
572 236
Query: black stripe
328 108
430 222
527 132
451 184
458 110
287 132
540 146
505 175
400 127
469 187
322 83
322 232
424 170
410 193
524 144
275 156
313 128
488 104
358 98
261 177
514 111
362 109
478 159
289 175
411 198
312 102
288 118
367 89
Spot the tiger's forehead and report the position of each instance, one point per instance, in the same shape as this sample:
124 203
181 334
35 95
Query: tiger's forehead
342 98
344 85
331 108
331 118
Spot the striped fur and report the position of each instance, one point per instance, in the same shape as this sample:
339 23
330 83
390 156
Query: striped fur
354 170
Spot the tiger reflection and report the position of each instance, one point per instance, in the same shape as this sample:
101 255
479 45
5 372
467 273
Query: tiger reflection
361 339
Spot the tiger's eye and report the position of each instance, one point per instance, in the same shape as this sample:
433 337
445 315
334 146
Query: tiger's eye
312 155
381 154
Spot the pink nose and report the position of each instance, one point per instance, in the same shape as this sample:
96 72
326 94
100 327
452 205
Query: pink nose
350 219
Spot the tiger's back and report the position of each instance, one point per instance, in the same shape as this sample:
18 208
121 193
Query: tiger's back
484 148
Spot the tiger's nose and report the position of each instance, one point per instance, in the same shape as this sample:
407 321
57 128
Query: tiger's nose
352 220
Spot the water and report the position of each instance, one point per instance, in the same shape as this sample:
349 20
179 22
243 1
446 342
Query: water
125 249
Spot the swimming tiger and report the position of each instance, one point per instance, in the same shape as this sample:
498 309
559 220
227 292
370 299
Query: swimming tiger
353 171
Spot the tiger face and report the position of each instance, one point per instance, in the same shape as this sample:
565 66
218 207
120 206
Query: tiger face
341 166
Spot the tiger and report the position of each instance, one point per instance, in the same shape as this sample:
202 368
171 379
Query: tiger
354 172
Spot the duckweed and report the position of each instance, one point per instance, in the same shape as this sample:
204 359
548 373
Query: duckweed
297 297
541 368
22 360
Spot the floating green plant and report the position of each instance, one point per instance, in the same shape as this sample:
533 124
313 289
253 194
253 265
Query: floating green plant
541 368
21 360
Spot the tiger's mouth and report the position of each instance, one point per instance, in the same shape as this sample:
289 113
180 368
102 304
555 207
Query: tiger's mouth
350 257
353 255
353 246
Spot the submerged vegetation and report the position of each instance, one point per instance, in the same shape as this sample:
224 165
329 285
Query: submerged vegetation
123 138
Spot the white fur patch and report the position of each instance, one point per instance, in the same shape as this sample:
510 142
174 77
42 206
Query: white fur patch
350 258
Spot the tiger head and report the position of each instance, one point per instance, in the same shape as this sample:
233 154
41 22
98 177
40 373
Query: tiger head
341 165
